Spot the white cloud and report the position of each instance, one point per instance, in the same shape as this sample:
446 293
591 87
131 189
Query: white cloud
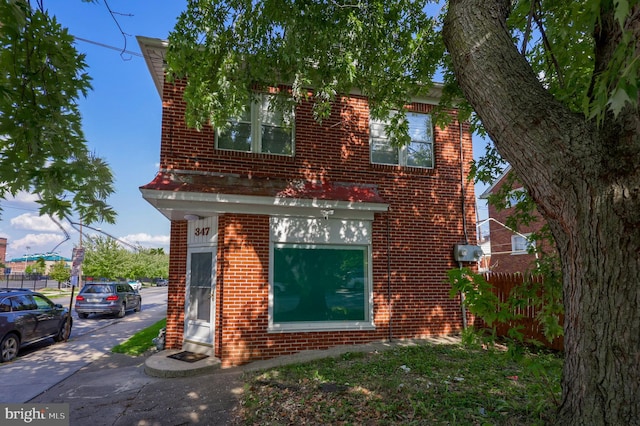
36 243
146 240
23 197
35 222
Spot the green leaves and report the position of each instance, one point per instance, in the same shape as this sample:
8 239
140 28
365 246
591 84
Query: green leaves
387 49
60 272
105 258
43 150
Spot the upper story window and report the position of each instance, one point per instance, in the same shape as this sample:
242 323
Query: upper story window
520 244
262 128
418 153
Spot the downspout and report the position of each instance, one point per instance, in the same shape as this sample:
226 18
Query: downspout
220 255
464 208
390 305
463 309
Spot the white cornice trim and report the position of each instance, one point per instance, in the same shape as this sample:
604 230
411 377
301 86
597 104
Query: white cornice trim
174 205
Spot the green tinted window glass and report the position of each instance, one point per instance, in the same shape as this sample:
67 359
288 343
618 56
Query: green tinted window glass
237 136
320 283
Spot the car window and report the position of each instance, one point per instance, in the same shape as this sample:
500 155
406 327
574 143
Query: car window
122 288
42 303
5 305
95 289
23 303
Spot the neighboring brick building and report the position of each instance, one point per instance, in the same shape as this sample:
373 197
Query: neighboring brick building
19 265
509 248
3 252
322 236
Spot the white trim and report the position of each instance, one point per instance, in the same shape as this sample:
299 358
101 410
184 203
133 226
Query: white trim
175 204
320 232
203 232
297 327
256 122
208 340
382 137
489 190
156 68
528 244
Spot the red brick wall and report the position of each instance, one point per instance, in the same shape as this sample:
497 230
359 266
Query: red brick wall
502 260
412 243
176 289
3 251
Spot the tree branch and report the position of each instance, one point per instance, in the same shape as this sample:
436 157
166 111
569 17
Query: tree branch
539 136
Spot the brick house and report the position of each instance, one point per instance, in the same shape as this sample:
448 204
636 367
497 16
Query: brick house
509 248
309 236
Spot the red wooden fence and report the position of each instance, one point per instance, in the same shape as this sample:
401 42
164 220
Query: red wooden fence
502 284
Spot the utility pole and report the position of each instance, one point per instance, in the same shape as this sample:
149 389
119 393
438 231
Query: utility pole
76 275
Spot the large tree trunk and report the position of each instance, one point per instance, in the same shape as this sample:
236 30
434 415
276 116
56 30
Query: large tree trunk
586 183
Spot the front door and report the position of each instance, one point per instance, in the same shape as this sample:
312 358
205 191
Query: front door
200 297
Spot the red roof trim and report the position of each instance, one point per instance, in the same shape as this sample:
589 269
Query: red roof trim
266 187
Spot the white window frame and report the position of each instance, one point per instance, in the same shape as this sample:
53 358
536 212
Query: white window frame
256 123
312 231
403 151
520 244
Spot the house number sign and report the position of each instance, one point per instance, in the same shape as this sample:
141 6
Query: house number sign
203 231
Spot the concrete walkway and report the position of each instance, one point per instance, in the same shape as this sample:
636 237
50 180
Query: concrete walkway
115 390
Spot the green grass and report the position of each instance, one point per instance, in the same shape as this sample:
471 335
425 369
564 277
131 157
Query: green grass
54 292
418 385
140 342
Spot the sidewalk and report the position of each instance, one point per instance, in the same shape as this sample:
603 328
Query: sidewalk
45 364
115 390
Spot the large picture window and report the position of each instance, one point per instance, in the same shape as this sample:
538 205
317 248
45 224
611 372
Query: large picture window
320 275
418 153
319 283
261 129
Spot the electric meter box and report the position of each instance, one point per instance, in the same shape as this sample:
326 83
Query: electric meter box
467 253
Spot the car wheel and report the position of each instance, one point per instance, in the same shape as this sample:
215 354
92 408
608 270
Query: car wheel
9 348
122 311
64 332
83 315
139 307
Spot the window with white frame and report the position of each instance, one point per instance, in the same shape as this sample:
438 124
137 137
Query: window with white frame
520 244
418 153
320 275
263 128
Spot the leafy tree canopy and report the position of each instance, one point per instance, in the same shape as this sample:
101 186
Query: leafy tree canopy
386 49
106 258
60 272
42 147
389 50
555 83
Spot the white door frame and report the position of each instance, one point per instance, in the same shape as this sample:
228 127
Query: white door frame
199 331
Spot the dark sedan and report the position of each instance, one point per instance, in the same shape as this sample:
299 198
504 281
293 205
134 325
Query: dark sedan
107 298
28 317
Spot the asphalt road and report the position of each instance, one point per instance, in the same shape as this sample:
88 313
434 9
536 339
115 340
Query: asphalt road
45 364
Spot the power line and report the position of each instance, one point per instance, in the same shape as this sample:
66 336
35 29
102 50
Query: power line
106 46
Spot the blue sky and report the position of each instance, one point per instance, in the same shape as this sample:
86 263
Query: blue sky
121 121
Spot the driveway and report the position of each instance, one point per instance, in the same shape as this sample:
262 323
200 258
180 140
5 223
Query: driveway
41 366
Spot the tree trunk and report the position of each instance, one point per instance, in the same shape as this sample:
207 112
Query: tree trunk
586 183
